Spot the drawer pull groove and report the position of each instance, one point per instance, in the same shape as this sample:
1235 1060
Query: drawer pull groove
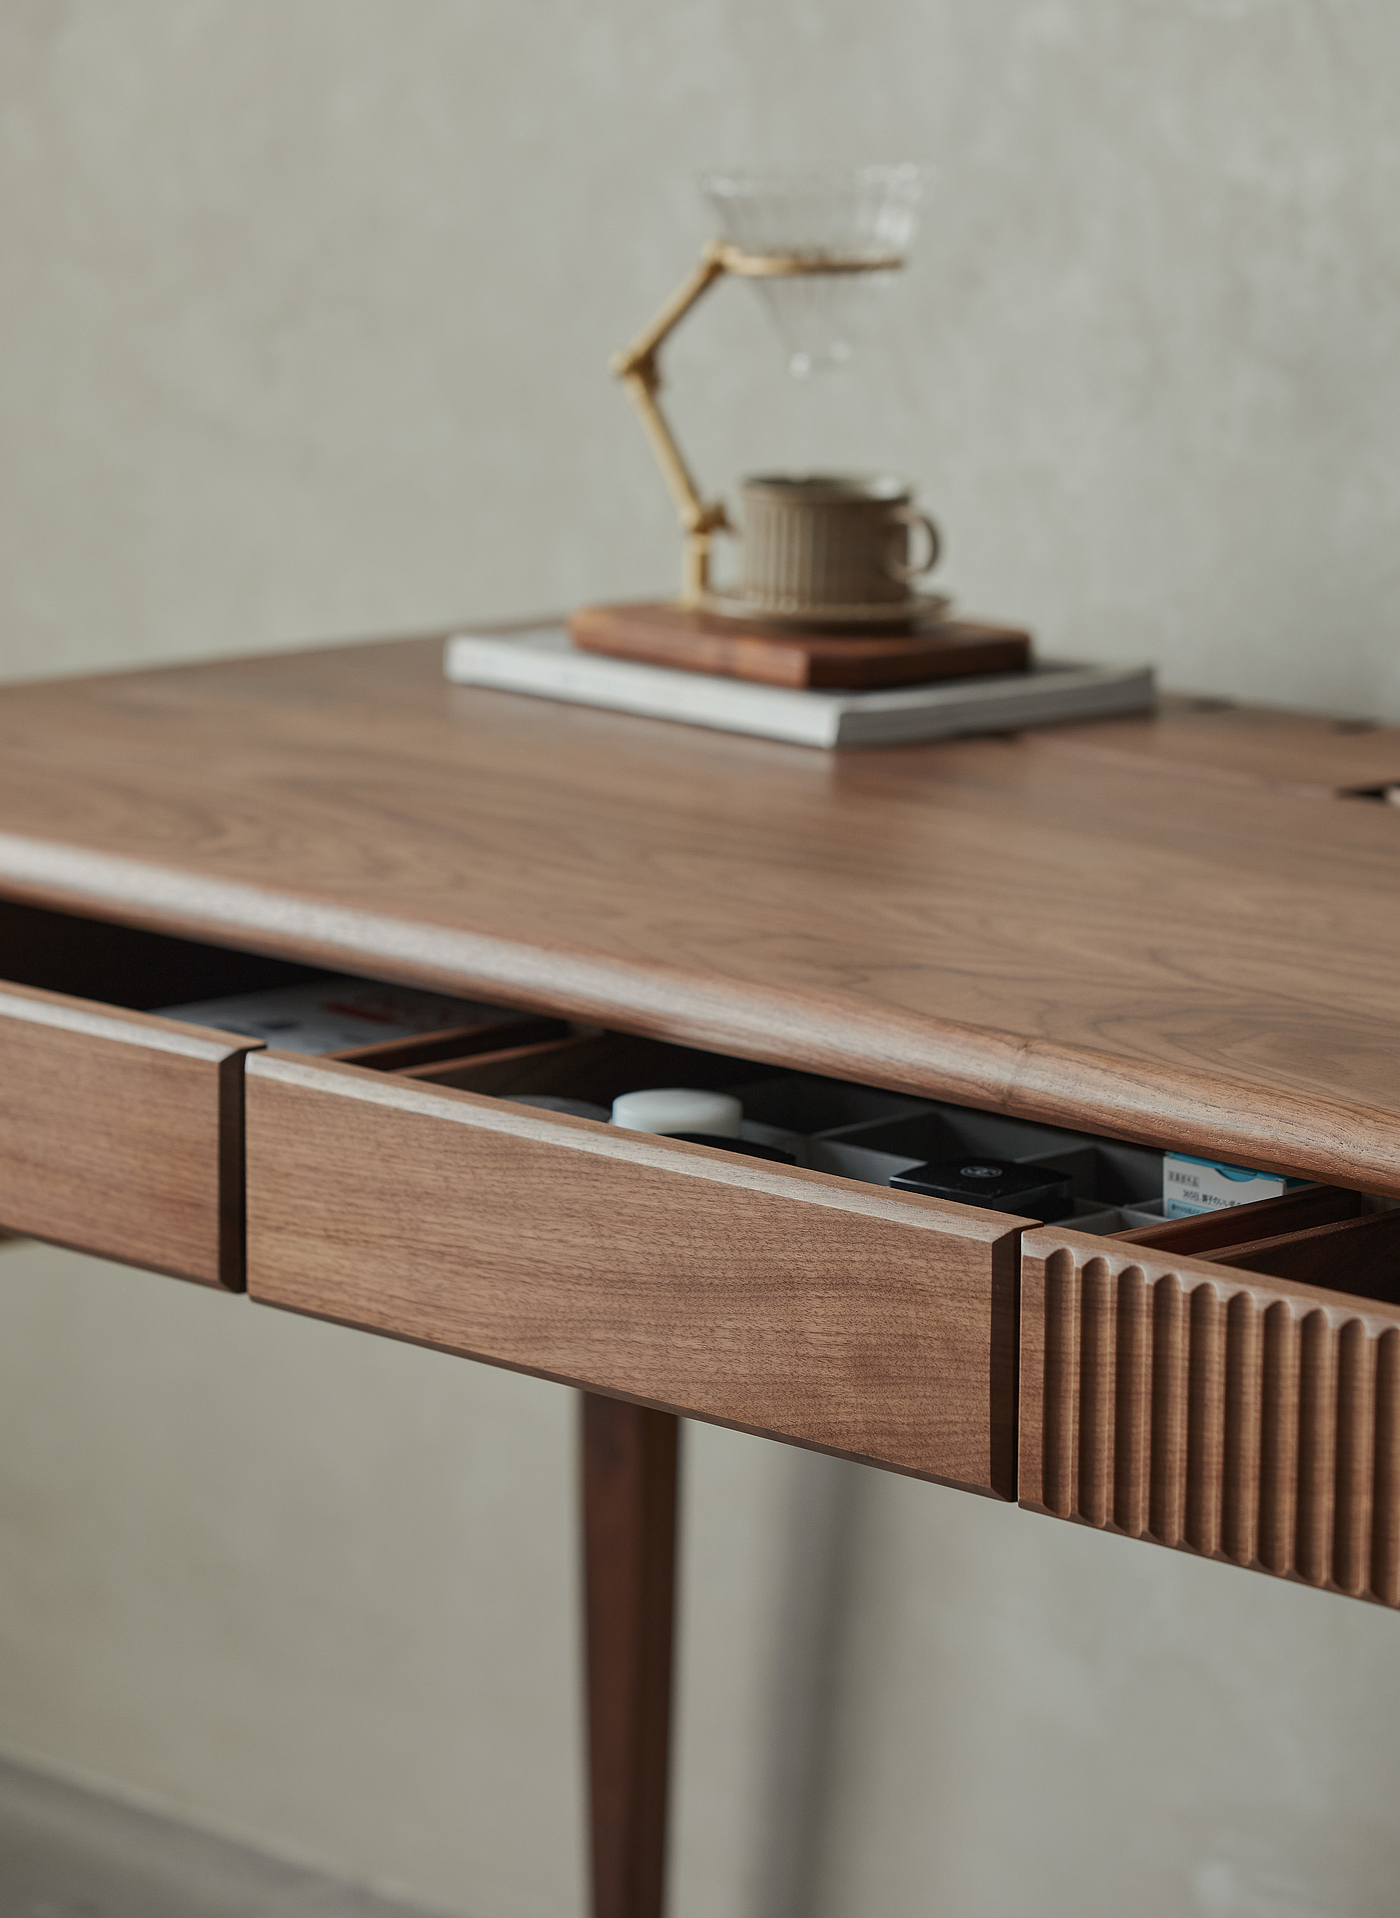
1356 1442
1317 1451
1385 1527
1096 1392
1278 1479
1170 1360
1243 1438
1205 1420
1061 1382
1133 1409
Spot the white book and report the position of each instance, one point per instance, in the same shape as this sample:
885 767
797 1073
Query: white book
544 662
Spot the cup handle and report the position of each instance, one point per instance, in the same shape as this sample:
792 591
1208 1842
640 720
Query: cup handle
897 568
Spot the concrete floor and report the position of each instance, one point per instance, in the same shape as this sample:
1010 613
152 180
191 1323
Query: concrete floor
66 1853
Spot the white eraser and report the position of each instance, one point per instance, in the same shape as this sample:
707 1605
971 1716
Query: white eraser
673 1109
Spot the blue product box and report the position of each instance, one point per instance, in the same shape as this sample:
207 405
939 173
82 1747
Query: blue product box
1191 1185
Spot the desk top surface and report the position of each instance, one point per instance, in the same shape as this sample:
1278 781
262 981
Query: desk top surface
1169 930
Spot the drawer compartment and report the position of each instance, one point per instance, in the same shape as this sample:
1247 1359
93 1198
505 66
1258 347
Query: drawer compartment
121 1133
121 1129
774 1298
1219 1408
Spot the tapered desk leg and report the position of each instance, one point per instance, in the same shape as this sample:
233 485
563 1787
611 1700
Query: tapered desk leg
629 1532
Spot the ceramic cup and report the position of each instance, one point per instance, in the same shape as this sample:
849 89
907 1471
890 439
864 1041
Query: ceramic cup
820 543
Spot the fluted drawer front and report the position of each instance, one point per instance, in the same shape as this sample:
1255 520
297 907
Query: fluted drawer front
1246 1419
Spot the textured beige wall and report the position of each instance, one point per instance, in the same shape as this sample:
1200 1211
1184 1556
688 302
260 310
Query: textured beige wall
305 306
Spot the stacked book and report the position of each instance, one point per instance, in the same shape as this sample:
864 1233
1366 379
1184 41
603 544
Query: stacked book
543 661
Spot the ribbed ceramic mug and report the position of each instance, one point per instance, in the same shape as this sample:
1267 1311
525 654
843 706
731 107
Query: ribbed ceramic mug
821 542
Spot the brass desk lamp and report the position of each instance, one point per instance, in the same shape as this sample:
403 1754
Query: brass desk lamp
636 366
828 594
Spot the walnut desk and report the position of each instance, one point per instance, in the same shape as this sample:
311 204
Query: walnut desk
1133 935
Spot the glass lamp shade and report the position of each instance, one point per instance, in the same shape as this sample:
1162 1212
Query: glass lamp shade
820 213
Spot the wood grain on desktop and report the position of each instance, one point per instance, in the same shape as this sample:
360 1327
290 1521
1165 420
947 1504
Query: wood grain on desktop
1031 930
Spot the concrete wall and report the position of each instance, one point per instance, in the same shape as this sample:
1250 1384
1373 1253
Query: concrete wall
305 309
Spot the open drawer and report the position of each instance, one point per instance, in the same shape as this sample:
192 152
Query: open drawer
433 1204
120 1132
1230 1387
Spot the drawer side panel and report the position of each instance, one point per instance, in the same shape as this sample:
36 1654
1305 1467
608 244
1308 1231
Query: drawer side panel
120 1137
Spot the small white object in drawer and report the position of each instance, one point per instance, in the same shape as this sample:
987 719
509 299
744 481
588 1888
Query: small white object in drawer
678 1109
334 1014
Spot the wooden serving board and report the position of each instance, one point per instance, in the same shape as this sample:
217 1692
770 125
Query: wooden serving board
669 635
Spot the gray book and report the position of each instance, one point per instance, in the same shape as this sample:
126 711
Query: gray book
543 662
